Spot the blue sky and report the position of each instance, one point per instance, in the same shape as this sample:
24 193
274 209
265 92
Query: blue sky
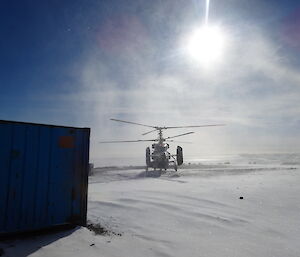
80 63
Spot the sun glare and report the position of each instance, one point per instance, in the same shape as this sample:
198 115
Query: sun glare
206 44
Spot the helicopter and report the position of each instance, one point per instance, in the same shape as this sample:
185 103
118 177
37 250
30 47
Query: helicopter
159 157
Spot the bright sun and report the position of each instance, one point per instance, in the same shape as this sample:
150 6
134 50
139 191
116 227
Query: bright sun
206 45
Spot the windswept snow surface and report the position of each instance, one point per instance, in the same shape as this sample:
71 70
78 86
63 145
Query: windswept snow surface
194 212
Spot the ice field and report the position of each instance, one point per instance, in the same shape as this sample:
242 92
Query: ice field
247 205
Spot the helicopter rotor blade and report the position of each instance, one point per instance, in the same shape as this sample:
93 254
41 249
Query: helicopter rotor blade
181 142
180 135
127 141
149 132
196 126
129 122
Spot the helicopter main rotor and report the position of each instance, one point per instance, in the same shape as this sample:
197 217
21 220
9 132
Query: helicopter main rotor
160 138
165 127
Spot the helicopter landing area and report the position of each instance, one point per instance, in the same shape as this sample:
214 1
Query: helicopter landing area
209 210
212 210
201 210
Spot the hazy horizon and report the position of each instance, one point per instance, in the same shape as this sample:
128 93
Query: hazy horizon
79 64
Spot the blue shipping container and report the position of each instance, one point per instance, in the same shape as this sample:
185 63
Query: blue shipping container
43 176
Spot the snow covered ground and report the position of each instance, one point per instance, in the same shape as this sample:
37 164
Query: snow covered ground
197 211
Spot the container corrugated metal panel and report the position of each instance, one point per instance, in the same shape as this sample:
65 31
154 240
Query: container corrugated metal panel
43 176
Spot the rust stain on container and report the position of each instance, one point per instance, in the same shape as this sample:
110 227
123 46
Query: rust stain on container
66 142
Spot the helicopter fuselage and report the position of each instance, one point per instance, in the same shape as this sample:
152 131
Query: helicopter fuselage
160 156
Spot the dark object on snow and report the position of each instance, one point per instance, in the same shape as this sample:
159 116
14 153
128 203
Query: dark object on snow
97 229
241 197
92 244
43 178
